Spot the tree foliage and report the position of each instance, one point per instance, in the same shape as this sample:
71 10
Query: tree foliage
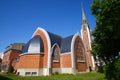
106 34
113 70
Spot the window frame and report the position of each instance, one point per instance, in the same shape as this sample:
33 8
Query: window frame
80 53
27 73
34 73
55 51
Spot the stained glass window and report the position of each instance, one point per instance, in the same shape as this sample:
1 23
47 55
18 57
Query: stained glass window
55 54
80 52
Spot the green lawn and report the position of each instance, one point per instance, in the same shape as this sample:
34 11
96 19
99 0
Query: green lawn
82 76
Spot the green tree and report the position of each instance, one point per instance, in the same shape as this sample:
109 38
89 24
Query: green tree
106 34
106 44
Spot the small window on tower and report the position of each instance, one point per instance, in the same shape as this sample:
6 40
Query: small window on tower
86 43
84 27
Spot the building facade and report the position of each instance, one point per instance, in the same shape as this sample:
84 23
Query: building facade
11 55
47 53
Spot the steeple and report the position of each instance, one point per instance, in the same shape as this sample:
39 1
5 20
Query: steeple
83 15
86 37
85 24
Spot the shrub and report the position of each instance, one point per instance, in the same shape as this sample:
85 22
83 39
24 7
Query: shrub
113 70
55 73
11 69
101 69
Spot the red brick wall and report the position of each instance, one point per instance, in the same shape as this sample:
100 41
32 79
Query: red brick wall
6 57
90 58
66 61
13 56
30 61
86 39
9 58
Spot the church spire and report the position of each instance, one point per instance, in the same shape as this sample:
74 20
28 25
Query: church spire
83 15
86 37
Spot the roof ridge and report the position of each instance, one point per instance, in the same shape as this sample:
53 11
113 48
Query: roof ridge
69 36
55 34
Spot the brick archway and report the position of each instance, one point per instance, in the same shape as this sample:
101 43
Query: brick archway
79 55
55 62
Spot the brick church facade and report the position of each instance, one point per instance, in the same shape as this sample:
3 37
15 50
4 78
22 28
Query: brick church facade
47 53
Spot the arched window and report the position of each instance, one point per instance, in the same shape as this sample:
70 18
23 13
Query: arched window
80 52
84 27
55 54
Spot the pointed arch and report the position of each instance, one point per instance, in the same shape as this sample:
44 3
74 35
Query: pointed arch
48 44
72 48
55 59
54 47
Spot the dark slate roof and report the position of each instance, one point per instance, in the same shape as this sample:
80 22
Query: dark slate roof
15 46
63 43
55 39
66 44
35 40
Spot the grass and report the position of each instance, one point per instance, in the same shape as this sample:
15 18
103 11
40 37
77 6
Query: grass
81 76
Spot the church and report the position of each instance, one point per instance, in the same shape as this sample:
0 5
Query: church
46 53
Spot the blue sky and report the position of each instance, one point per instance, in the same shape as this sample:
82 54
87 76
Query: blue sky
20 18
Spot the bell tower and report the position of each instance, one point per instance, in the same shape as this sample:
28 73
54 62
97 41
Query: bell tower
86 37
